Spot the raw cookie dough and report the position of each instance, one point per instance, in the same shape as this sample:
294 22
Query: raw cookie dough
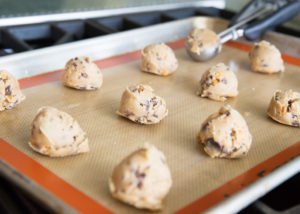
285 107
141 105
57 134
159 59
225 134
218 82
142 179
81 73
265 58
200 39
10 92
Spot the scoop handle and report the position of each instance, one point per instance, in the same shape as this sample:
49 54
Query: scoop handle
255 29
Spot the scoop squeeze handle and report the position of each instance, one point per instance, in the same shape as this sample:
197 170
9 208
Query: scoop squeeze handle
255 29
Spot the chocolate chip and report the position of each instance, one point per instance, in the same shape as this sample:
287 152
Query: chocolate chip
84 75
134 90
232 133
76 58
128 114
87 59
140 177
224 81
141 104
200 45
154 115
147 105
227 113
289 107
74 137
205 126
7 91
210 142
295 123
140 184
74 64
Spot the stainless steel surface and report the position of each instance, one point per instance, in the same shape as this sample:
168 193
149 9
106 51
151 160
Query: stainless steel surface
121 9
39 193
245 197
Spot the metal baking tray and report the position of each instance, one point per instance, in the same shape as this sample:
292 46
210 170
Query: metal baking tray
36 67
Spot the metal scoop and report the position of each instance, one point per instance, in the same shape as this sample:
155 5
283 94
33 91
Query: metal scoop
277 12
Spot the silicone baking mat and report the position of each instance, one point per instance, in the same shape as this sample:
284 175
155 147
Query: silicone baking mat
199 181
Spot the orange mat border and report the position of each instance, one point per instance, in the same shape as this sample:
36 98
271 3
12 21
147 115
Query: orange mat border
70 195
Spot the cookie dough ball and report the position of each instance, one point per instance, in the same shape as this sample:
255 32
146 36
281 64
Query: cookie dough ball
218 82
200 39
265 58
225 134
142 179
10 92
81 73
141 105
285 107
57 134
159 59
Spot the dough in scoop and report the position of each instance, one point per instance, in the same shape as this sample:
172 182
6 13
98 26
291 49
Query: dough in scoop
285 107
141 105
159 59
81 73
225 134
218 82
200 39
265 58
10 92
142 179
57 134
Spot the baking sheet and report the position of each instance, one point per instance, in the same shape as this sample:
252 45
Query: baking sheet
194 173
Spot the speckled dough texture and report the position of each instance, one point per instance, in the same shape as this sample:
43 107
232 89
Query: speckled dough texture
265 58
57 134
159 59
10 92
218 82
142 179
225 134
81 73
141 105
285 107
202 38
